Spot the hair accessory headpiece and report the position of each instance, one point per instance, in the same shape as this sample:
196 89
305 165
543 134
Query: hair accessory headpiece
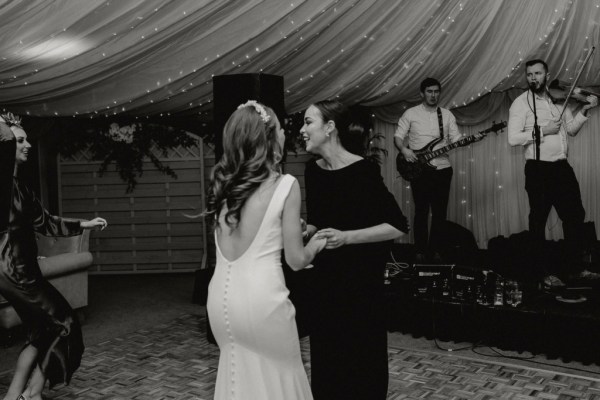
259 109
11 119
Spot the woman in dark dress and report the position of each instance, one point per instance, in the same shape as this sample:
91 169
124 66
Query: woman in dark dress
54 343
348 203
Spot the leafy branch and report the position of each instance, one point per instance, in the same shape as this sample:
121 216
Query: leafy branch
127 146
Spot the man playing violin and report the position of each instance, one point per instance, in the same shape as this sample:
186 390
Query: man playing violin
549 179
423 124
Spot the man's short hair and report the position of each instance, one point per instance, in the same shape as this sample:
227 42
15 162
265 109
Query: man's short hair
427 82
537 61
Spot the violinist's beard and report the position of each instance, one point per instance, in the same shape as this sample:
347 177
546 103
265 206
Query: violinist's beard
538 87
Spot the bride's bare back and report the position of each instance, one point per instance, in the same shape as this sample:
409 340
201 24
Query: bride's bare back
234 243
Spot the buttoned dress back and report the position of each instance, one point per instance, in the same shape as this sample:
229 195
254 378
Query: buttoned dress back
253 320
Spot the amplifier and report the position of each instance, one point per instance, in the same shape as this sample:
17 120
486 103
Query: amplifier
467 284
433 280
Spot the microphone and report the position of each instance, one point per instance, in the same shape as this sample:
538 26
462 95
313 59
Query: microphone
532 86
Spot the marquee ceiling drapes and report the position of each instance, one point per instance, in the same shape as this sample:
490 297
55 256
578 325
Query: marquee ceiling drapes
147 57
97 58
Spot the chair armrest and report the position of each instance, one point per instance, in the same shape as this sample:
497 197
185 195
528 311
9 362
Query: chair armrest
64 264
51 246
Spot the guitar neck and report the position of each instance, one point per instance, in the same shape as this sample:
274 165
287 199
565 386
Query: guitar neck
442 150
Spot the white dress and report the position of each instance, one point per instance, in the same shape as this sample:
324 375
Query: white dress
253 320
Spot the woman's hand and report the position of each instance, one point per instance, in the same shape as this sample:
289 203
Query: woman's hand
317 243
94 223
334 237
307 230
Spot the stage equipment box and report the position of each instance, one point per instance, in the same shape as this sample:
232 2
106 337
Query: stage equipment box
433 280
467 284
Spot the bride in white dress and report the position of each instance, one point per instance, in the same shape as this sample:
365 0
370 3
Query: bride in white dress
256 211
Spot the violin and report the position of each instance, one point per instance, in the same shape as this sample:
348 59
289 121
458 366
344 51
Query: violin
587 58
559 92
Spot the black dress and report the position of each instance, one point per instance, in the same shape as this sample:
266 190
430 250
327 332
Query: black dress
348 337
52 326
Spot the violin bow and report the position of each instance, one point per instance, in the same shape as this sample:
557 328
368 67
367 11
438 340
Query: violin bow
587 58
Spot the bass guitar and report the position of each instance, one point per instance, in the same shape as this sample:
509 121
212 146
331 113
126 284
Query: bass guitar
412 170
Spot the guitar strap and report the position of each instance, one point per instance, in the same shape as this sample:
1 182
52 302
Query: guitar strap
440 122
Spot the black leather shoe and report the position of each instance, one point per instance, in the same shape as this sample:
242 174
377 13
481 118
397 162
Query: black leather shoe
587 275
552 282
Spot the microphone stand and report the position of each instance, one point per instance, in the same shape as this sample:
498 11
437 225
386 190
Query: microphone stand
536 128
537 247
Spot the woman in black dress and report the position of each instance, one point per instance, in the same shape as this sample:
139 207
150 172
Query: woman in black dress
348 203
54 343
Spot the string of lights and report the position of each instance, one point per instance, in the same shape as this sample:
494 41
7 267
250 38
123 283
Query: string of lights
348 50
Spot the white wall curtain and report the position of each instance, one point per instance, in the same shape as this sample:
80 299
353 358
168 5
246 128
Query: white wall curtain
487 193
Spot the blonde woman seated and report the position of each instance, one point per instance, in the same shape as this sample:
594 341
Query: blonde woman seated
256 212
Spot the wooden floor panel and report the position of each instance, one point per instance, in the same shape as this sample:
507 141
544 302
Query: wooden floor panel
175 361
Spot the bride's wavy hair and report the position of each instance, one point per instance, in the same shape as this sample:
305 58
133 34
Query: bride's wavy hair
251 153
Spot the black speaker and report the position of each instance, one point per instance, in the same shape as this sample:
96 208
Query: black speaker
229 91
457 245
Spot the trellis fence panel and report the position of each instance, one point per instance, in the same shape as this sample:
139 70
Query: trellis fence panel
151 229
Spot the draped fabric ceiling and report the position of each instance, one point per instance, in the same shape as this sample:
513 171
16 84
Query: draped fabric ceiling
154 57
72 57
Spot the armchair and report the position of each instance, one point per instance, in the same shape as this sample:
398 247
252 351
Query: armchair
64 261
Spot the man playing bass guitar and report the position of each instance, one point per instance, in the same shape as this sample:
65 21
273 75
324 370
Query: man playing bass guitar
423 124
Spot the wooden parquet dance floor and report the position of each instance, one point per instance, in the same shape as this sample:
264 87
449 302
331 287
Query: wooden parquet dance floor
175 361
